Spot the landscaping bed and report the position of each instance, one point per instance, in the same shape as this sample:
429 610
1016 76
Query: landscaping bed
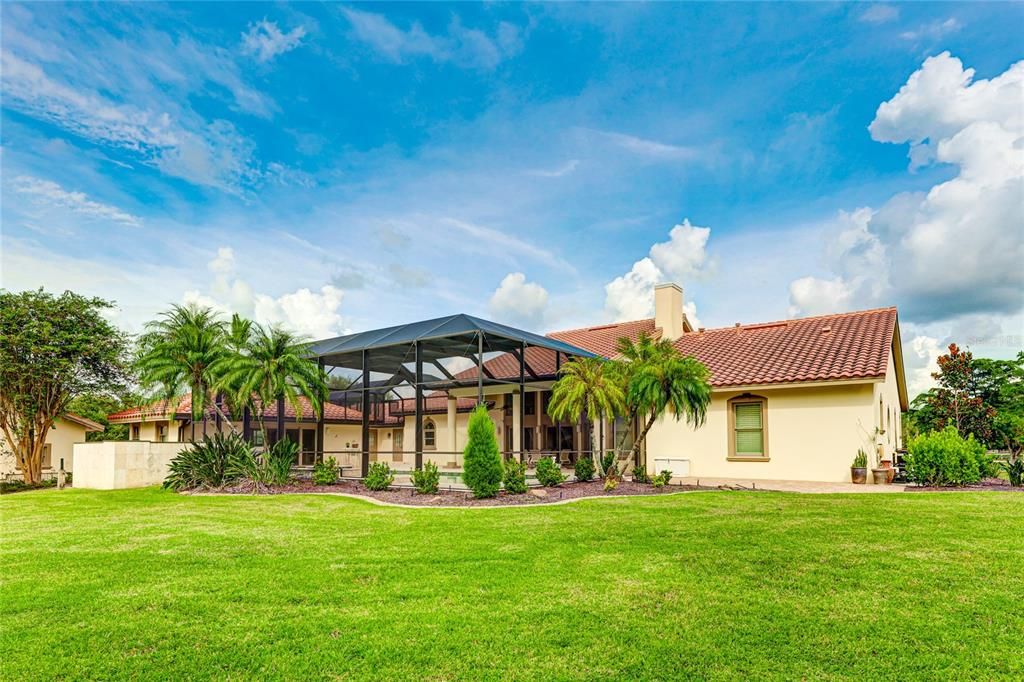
987 484
456 497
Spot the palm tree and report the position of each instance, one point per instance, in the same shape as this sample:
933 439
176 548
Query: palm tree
676 383
636 354
587 386
273 364
180 351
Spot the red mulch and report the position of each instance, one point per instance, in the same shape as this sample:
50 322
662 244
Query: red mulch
464 498
985 485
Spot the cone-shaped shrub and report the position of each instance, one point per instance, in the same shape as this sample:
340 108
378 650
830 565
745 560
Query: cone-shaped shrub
481 467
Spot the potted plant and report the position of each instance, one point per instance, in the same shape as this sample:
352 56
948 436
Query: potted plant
880 474
859 469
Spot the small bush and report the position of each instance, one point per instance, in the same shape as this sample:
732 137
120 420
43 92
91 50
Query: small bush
945 458
608 467
662 479
325 472
1014 471
514 479
426 479
482 470
271 467
16 486
379 477
210 463
610 484
585 468
549 473
640 474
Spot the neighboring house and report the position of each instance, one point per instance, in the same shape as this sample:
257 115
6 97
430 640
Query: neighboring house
66 431
791 399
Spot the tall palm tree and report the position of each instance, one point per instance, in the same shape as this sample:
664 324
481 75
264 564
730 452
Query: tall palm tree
180 351
644 351
274 364
677 384
587 386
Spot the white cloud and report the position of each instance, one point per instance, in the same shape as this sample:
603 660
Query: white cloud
879 14
934 30
956 249
52 194
264 40
496 240
313 314
560 171
460 45
682 257
650 148
919 360
519 302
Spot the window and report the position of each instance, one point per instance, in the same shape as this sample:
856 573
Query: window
308 447
748 437
161 433
47 458
429 435
530 407
135 432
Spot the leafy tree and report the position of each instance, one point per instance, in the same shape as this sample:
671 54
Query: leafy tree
956 400
482 469
96 406
52 350
588 387
268 363
179 352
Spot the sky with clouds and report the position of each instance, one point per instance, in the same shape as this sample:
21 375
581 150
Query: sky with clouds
337 167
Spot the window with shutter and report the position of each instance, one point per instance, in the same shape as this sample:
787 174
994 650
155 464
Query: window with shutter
747 425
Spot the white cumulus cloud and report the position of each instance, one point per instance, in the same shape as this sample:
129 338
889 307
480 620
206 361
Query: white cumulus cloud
682 257
519 302
265 40
51 194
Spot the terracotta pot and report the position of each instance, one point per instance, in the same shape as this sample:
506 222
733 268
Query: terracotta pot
880 476
887 465
859 474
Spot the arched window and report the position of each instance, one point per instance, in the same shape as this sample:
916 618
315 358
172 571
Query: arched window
748 428
429 434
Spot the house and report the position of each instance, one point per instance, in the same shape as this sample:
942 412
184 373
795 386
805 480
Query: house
791 399
65 432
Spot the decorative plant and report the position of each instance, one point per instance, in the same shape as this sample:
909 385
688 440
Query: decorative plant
946 458
610 484
549 473
861 460
515 477
662 479
482 469
271 467
426 480
609 466
210 463
379 477
325 472
584 469
640 474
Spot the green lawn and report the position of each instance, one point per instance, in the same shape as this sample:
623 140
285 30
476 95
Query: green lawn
727 585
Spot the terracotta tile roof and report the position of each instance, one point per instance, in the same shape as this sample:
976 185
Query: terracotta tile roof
856 345
183 409
432 404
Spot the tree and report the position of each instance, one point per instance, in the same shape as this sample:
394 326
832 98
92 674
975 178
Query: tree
481 468
179 352
677 384
96 406
588 387
266 364
52 350
956 401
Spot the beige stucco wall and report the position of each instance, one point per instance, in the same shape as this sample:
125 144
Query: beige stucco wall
888 417
113 465
813 434
62 438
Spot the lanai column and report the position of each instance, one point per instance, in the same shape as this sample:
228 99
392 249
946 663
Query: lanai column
453 414
320 420
364 438
517 424
521 410
419 404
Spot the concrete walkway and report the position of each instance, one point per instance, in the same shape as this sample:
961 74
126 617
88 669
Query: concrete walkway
792 486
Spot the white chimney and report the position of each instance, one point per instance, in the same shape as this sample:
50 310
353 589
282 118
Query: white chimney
668 311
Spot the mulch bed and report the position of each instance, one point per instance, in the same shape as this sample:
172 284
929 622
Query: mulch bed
986 485
463 498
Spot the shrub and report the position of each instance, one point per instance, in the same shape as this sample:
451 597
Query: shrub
515 477
1014 471
610 467
271 467
585 469
610 484
640 474
549 473
426 479
325 472
379 477
18 485
209 463
945 458
482 470
662 479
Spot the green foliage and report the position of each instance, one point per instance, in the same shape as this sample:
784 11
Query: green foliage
549 473
379 477
325 472
52 350
861 460
663 479
585 469
14 486
609 467
514 479
96 406
610 484
1014 471
587 387
426 479
945 458
640 474
482 470
210 463
271 467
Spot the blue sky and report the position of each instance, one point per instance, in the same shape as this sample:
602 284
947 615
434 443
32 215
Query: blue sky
338 167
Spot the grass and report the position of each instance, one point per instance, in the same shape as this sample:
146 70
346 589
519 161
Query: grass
728 585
